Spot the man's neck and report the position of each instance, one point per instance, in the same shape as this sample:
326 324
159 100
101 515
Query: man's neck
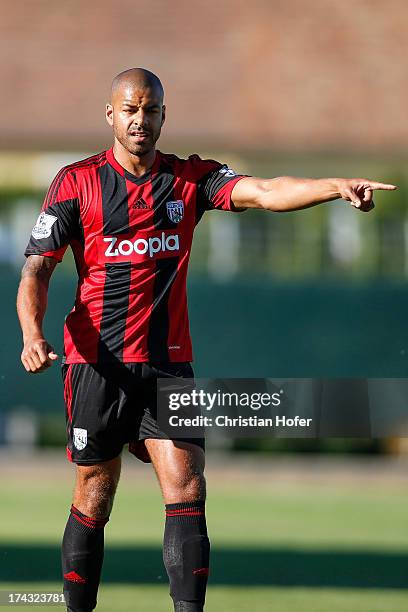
137 165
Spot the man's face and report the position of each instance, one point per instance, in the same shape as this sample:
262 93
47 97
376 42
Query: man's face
136 114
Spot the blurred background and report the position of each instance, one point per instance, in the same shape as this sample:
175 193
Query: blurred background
314 88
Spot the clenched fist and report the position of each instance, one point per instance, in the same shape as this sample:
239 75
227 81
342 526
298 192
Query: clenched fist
37 355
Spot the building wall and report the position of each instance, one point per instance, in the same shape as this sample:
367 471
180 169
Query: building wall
293 75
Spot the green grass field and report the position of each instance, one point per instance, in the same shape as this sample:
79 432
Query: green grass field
277 545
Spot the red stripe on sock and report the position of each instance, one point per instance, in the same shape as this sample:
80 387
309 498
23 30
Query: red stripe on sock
188 509
87 520
79 519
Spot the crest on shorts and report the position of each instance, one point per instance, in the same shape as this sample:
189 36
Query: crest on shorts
80 438
43 226
175 210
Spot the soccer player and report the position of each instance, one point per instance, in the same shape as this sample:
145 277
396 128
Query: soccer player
129 215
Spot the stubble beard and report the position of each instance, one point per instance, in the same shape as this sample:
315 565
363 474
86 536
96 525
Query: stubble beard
138 150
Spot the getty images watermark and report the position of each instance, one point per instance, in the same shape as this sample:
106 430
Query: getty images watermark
209 402
301 408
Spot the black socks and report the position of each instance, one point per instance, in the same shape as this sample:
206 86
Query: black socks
82 557
186 554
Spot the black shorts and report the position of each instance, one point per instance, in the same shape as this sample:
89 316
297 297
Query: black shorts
112 404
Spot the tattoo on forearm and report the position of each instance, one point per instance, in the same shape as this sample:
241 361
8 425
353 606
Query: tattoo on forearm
39 267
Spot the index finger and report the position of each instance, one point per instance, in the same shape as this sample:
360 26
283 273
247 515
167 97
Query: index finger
384 186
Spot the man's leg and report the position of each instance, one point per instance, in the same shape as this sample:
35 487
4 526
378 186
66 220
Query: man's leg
83 542
180 470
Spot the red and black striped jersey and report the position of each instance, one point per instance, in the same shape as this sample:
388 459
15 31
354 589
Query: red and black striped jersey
131 239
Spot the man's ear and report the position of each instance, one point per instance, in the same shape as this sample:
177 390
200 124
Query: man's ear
109 114
163 114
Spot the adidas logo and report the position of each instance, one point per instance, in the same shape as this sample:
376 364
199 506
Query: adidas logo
140 204
74 577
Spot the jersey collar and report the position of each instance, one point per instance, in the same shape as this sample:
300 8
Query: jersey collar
131 177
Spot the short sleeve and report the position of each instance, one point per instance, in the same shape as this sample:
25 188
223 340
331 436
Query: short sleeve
215 186
58 221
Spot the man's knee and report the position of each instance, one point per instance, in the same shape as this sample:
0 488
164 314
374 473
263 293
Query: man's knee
187 485
180 469
95 489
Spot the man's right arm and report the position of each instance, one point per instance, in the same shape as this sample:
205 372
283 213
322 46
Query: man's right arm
37 354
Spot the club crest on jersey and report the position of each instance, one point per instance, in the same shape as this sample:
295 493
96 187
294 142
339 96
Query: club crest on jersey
80 438
175 210
42 228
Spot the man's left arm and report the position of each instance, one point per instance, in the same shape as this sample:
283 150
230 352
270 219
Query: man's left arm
286 193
